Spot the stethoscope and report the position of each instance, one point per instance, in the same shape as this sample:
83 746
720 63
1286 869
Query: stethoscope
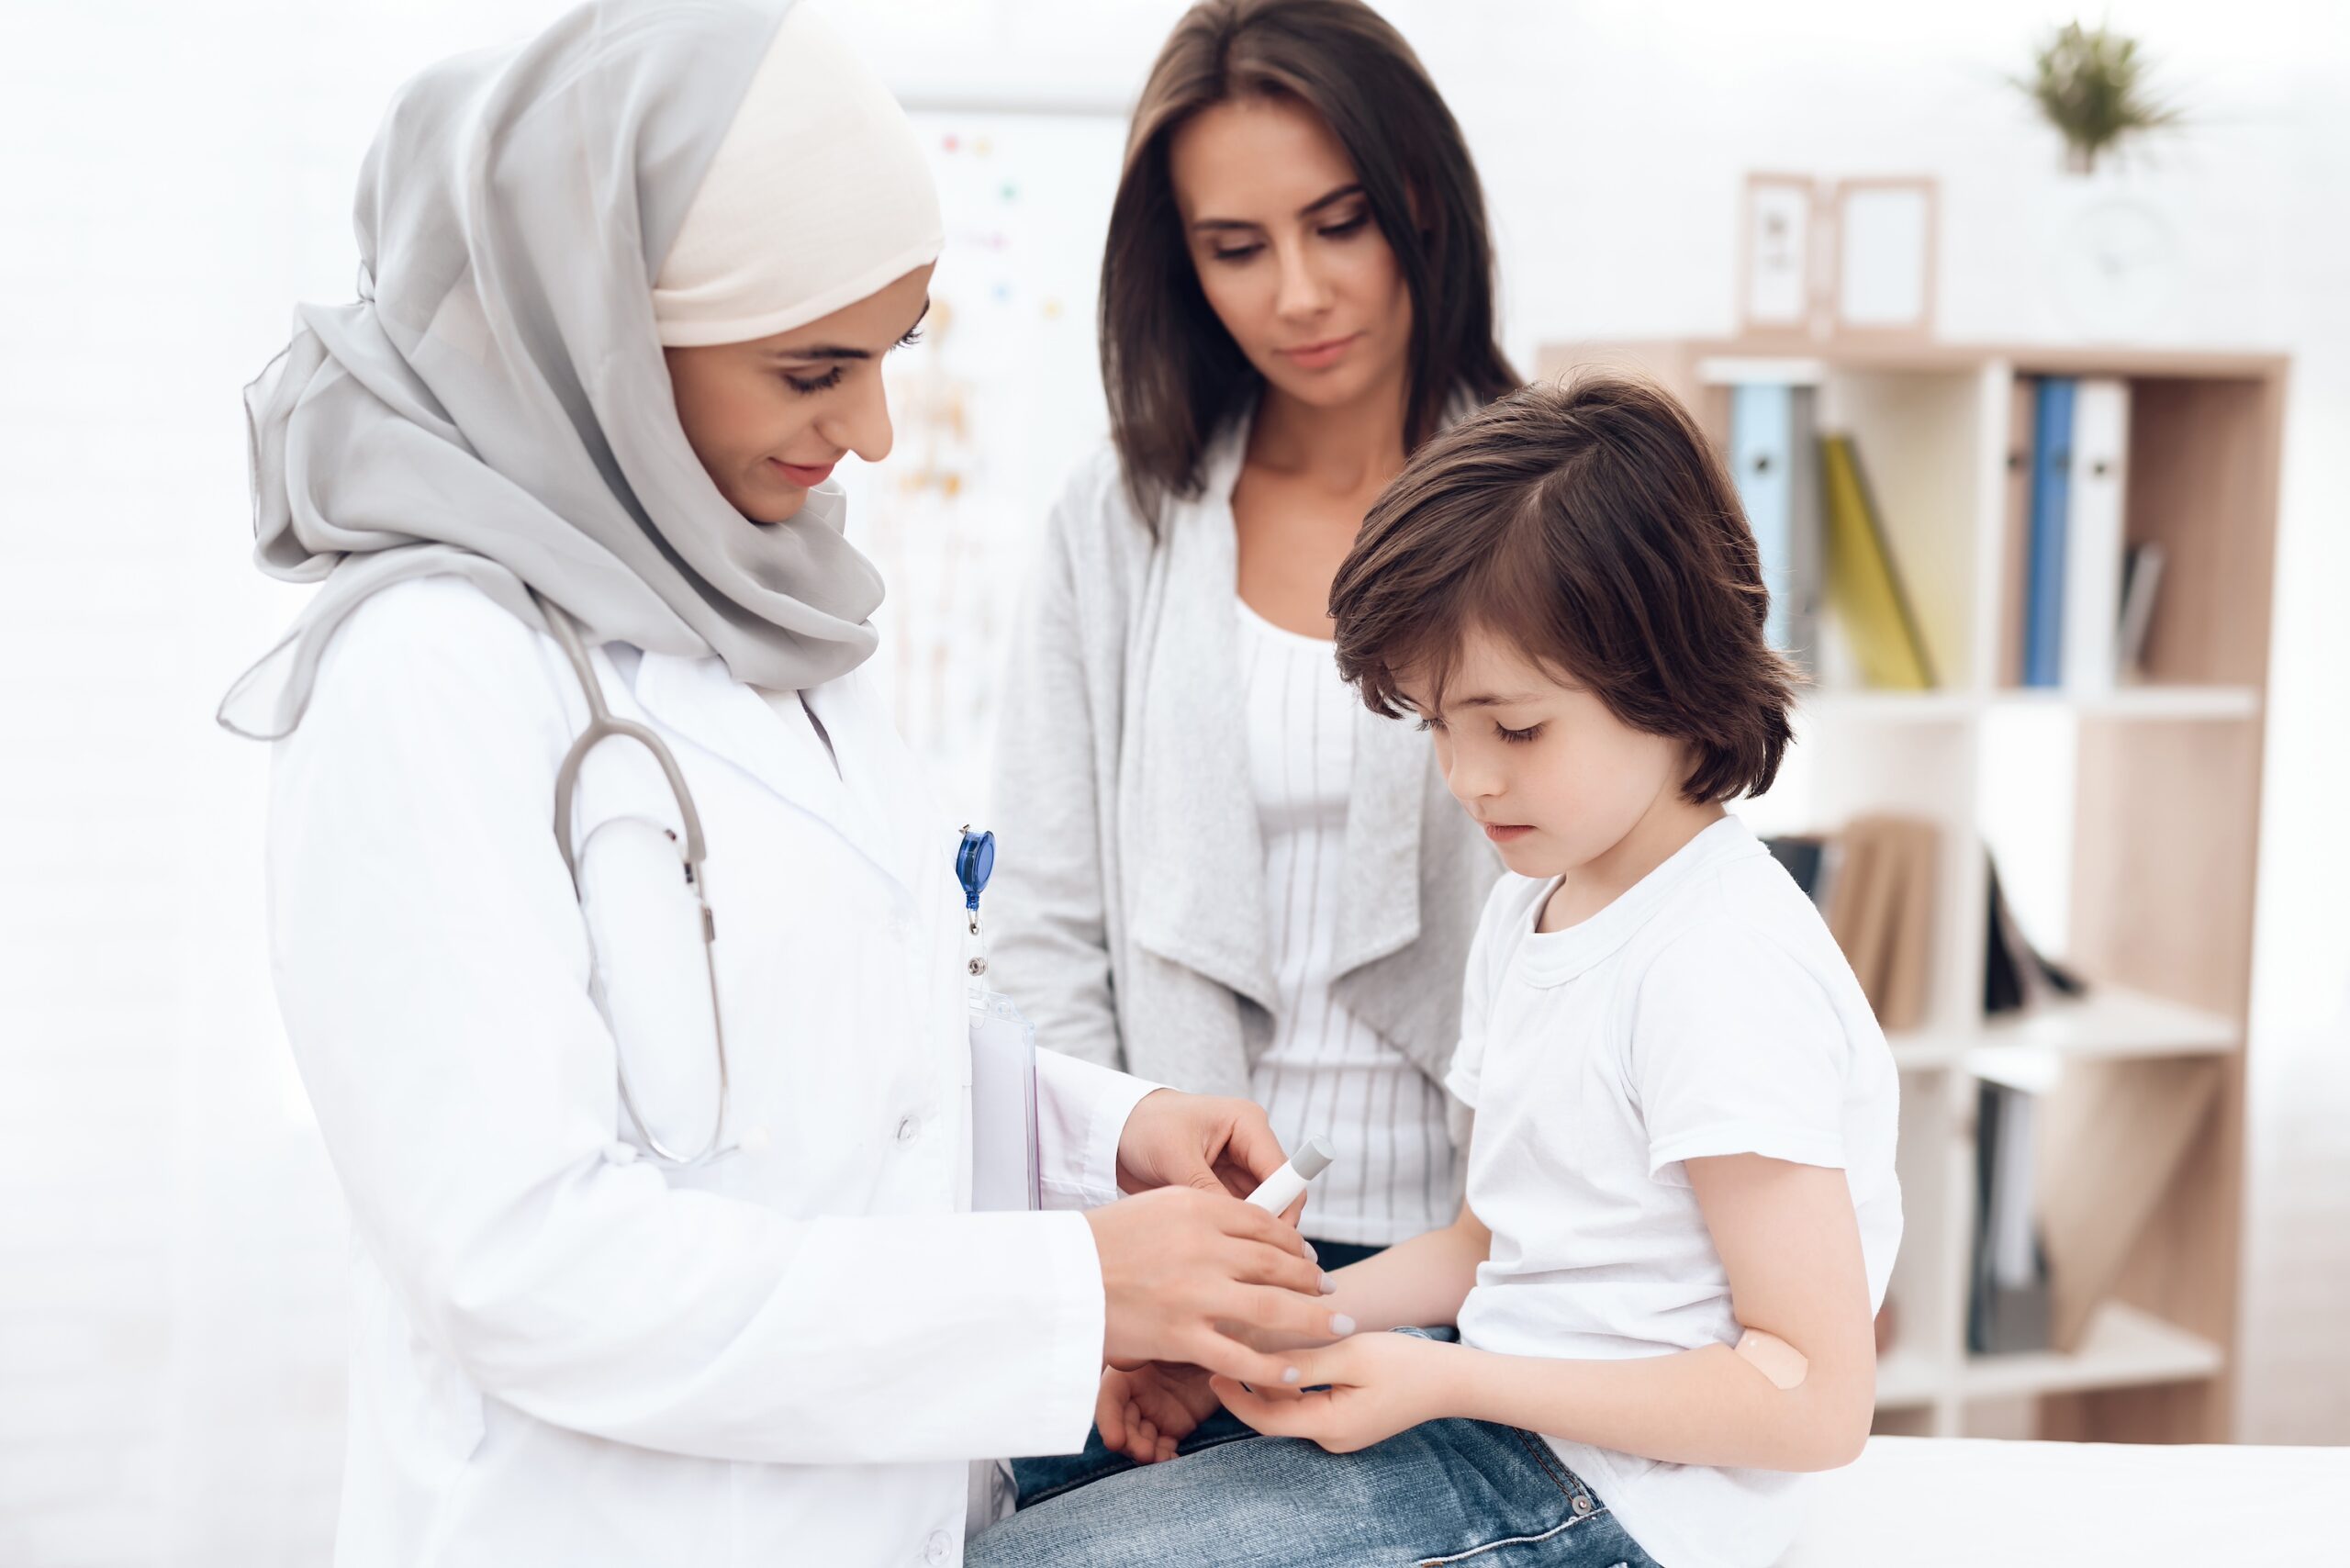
974 864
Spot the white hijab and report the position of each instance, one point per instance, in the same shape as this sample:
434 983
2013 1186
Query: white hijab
534 224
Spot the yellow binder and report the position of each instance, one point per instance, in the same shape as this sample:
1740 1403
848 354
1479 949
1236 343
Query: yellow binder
1861 584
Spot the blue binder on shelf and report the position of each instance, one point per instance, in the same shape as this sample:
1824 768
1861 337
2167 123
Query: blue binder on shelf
1773 459
2051 478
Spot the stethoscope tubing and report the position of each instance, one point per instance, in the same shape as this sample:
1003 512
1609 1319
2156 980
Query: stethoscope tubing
603 726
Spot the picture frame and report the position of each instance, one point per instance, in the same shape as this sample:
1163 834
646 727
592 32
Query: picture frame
1885 259
1780 265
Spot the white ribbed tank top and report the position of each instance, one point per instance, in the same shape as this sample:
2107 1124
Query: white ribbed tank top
1326 1072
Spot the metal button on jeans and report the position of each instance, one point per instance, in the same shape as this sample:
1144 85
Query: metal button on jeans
939 1548
1583 1503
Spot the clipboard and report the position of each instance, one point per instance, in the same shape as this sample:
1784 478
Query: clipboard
1005 1174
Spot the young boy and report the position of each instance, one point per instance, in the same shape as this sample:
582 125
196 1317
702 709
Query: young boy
1681 1210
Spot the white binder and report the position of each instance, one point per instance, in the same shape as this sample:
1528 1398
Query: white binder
2094 528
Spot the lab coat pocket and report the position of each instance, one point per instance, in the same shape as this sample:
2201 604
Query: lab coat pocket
651 981
424 1406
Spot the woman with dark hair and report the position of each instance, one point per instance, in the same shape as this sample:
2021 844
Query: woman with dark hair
1222 872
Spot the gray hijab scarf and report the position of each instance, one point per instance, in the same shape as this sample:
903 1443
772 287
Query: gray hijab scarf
496 406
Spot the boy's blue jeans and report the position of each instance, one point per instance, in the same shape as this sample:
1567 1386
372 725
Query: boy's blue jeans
1038 1479
1443 1493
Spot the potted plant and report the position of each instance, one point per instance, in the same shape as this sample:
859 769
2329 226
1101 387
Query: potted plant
2090 84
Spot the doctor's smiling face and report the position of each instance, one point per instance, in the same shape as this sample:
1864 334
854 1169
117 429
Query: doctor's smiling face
1287 252
769 418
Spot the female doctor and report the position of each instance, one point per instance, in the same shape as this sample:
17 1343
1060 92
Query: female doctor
649 1093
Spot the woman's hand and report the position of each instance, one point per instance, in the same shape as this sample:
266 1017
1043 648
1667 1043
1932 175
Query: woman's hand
1380 1385
1143 1413
1193 1140
1189 1275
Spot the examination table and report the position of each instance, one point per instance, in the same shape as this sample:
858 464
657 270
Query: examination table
1977 1502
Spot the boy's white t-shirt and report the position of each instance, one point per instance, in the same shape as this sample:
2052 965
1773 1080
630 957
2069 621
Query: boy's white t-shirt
1706 1011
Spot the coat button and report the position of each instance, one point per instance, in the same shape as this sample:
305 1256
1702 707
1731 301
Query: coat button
907 1129
939 1548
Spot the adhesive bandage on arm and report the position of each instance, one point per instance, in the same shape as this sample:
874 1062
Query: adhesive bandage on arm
1773 1358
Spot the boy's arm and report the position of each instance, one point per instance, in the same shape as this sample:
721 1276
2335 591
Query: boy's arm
1791 1245
1412 1285
1792 1248
1416 1283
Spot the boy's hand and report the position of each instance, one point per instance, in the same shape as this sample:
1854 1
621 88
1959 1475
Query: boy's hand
1380 1385
1143 1413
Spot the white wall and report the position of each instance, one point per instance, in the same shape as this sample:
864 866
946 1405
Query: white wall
169 1243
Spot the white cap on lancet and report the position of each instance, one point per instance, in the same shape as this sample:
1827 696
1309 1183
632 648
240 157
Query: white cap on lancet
1313 1157
819 195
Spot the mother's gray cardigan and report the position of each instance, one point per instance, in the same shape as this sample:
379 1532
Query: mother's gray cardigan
1127 914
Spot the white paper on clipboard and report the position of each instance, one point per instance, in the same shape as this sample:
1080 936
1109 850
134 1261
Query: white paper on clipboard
1004 1152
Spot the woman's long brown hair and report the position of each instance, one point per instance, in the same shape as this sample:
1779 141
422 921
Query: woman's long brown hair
1173 373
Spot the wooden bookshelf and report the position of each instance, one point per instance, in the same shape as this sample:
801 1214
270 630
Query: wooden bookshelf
2161 811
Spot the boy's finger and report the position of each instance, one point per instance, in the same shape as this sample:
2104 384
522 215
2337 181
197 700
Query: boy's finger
1172 1417
1230 1357
1314 1370
1296 1416
1109 1415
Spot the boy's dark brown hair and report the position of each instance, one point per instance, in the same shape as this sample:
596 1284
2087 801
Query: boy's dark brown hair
1593 527
1173 375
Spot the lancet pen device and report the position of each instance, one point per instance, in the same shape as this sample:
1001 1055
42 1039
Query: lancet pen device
1282 1188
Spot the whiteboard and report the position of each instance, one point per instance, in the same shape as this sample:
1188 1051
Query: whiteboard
993 408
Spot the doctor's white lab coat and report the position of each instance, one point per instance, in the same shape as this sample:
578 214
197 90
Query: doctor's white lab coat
562 1352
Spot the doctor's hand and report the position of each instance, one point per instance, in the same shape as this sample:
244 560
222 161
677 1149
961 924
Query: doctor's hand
1194 1140
1191 1276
